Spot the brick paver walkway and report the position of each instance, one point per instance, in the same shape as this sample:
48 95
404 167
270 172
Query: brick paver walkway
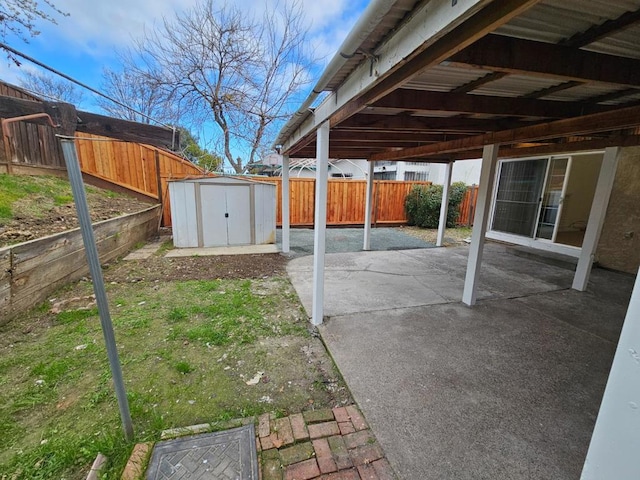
321 444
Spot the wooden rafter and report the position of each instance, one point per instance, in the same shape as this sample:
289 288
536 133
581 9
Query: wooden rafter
553 148
407 123
491 17
416 100
512 55
598 122
347 135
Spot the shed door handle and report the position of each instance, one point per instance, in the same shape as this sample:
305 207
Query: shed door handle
226 215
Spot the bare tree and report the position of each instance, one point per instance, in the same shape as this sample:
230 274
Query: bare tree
138 92
51 87
19 17
223 65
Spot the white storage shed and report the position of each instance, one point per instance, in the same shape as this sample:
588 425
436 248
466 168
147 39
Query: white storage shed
219 211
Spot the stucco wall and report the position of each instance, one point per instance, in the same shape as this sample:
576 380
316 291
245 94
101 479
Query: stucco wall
580 189
619 246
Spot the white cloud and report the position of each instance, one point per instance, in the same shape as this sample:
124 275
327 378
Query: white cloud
98 28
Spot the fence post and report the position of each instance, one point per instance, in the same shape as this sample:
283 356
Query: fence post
159 180
7 153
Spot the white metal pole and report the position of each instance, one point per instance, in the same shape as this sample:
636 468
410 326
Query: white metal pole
320 223
487 175
596 218
613 451
286 224
444 207
79 196
367 207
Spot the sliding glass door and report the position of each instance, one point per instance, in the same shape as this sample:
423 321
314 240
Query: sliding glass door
518 197
529 197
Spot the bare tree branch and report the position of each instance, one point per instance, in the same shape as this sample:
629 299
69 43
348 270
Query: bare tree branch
52 88
222 65
19 17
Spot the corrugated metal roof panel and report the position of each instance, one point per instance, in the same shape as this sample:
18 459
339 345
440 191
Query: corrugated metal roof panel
625 43
623 100
583 92
555 20
442 78
515 86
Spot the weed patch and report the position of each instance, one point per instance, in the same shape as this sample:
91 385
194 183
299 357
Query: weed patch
187 349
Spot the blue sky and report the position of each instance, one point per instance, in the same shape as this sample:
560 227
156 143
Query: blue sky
86 41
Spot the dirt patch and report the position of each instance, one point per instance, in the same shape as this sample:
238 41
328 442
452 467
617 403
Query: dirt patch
452 237
30 224
158 268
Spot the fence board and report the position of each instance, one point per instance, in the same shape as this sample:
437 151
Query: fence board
468 206
345 200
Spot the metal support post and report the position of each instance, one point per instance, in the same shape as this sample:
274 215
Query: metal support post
80 199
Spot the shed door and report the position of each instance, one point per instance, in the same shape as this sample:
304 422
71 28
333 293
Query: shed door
213 206
239 214
226 215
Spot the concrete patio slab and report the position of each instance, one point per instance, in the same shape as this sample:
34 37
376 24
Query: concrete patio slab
508 389
367 281
342 240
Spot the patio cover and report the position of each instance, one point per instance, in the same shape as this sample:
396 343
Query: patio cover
447 80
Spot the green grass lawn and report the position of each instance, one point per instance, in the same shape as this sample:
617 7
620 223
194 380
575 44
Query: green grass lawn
187 349
51 191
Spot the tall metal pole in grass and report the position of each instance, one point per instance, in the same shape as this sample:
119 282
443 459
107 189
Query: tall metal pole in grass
80 199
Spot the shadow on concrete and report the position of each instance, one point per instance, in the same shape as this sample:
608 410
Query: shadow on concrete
508 389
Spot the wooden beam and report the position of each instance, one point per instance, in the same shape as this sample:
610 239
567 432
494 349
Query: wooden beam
488 78
72 120
494 15
353 136
418 101
597 122
407 123
513 55
605 29
552 148
126 130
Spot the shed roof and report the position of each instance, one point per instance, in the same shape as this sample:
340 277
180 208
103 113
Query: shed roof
436 82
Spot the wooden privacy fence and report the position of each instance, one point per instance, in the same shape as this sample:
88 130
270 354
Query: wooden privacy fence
345 201
140 168
468 206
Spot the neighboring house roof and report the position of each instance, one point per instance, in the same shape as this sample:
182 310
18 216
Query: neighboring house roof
436 82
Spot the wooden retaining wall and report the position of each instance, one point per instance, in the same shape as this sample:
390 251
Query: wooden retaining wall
31 271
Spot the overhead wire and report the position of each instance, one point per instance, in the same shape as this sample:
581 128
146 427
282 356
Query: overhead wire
20 54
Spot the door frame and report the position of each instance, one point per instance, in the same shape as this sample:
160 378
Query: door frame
537 243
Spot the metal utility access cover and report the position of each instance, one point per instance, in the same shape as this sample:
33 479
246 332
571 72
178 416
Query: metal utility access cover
228 455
